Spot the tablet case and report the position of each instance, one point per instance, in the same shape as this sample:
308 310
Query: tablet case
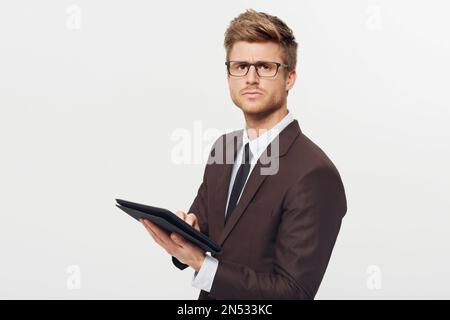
169 222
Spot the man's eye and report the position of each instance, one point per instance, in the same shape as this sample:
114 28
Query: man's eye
242 66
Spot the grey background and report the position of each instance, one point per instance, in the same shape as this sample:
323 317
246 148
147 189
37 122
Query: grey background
87 115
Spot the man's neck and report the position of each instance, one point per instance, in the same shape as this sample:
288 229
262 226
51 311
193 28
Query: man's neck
259 125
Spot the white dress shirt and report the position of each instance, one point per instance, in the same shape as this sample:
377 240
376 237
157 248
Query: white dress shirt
203 279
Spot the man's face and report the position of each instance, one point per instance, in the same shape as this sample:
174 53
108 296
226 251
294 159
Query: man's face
271 92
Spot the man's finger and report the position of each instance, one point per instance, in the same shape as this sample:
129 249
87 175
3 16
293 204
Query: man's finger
164 239
157 233
153 235
155 238
170 246
181 214
157 230
179 240
191 219
182 242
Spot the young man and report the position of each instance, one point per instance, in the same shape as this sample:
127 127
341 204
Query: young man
278 226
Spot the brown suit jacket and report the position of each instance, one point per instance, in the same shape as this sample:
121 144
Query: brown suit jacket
278 241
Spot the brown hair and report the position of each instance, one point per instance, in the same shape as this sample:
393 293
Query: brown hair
253 26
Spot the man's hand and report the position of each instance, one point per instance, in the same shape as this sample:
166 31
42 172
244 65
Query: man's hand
175 244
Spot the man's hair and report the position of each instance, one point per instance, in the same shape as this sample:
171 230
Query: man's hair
254 26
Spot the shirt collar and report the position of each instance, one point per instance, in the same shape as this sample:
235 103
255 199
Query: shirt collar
258 145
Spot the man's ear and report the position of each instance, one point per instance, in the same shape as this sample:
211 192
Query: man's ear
290 79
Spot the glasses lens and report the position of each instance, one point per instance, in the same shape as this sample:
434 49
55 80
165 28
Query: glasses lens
238 68
264 69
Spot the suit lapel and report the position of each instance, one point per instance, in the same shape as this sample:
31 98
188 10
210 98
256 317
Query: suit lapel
221 189
285 139
253 183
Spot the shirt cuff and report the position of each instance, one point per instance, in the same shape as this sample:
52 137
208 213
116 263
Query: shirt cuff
204 278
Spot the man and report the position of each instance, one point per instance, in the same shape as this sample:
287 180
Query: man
277 227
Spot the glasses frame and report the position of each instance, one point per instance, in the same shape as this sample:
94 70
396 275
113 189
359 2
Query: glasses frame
278 64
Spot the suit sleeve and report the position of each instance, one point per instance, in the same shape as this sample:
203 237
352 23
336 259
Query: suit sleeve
312 211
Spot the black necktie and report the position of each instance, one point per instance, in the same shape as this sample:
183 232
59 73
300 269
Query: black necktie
239 181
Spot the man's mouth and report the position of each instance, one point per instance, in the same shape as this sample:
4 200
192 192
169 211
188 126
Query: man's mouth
252 94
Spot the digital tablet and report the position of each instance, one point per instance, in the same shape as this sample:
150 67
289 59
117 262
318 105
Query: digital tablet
169 222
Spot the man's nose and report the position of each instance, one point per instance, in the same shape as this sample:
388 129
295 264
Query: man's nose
252 76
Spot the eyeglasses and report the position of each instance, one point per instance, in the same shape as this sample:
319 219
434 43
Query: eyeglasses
264 69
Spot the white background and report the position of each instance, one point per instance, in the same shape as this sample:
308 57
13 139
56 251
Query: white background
87 116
